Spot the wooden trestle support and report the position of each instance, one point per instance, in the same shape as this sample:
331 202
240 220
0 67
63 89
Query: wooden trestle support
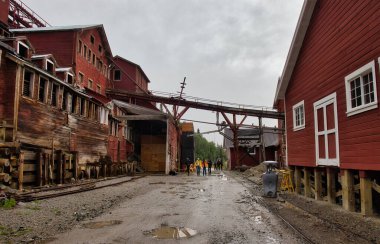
352 189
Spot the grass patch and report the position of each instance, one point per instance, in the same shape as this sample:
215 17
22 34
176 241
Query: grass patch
8 203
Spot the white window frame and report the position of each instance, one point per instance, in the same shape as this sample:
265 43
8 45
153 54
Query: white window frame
295 107
67 77
22 44
370 67
46 64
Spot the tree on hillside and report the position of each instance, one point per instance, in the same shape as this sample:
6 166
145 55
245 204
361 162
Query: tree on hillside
208 150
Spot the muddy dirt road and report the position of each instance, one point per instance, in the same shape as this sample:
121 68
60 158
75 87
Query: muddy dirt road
182 209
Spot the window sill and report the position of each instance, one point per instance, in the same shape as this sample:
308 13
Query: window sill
361 109
299 128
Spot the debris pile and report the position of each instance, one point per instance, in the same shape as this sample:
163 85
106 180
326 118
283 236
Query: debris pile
255 173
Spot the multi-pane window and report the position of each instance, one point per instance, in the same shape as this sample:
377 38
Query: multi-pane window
28 84
361 90
299 116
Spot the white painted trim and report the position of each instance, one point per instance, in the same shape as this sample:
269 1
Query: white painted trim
322 103
22 44
46 64
358 73
302 126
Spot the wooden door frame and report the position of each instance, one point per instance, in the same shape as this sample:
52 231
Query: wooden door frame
323 103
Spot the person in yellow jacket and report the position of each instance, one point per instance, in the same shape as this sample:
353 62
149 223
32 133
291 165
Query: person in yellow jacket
198 163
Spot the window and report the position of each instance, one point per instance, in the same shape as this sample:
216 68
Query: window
54 95
69 78
42 89
49 66
82 106
84 51
80 46
28 84
299 116
116 74
89 55
92 39
74 102
361 90
65 100
22 49
93 59
100 49
89 85
98 88
80 78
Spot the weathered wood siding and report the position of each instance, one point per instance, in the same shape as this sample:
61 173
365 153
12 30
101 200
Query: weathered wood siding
4 7
342 37
7 91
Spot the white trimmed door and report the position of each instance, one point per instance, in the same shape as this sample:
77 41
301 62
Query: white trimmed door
326 131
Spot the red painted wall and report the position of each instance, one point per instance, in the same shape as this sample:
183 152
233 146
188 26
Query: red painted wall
4 8
342 37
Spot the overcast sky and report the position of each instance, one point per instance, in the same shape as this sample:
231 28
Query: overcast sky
230 51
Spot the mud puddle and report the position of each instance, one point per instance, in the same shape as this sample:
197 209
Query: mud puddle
101 224
169 232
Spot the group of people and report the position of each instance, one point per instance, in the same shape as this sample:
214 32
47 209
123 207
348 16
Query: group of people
205 165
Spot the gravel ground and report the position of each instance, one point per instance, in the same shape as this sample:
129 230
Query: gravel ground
40 220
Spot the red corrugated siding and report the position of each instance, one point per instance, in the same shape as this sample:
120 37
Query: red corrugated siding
342 37
4 8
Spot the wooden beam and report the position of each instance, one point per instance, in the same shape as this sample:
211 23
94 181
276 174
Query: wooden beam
376 187
318 184
331 185
297 179
307 190
366 196
348 193
142 117
180 114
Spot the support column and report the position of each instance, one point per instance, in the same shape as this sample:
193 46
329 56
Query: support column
365 194
318 184
331 185
59 168
21 172
306 182
348 193
297 179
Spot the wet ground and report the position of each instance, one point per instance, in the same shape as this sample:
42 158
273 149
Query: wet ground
185 209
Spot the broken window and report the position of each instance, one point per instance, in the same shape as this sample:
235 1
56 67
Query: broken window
84 51
28 84
116 74
93 59
22 49
92 39
54 94
89 55
100 48
42 89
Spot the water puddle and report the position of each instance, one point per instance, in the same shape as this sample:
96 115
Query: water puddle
168 232
101 224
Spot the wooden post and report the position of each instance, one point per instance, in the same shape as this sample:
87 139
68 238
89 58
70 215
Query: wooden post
64 157
365 194
306 182
318 184
21 172
39 168
348 193
331 185
75 167
297 179
46 168
59 168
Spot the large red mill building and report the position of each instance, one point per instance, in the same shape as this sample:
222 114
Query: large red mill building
329 92
56 121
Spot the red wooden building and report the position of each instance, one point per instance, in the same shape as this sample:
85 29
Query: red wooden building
329 93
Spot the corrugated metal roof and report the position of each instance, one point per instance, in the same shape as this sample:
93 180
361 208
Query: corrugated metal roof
136 109
54 28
